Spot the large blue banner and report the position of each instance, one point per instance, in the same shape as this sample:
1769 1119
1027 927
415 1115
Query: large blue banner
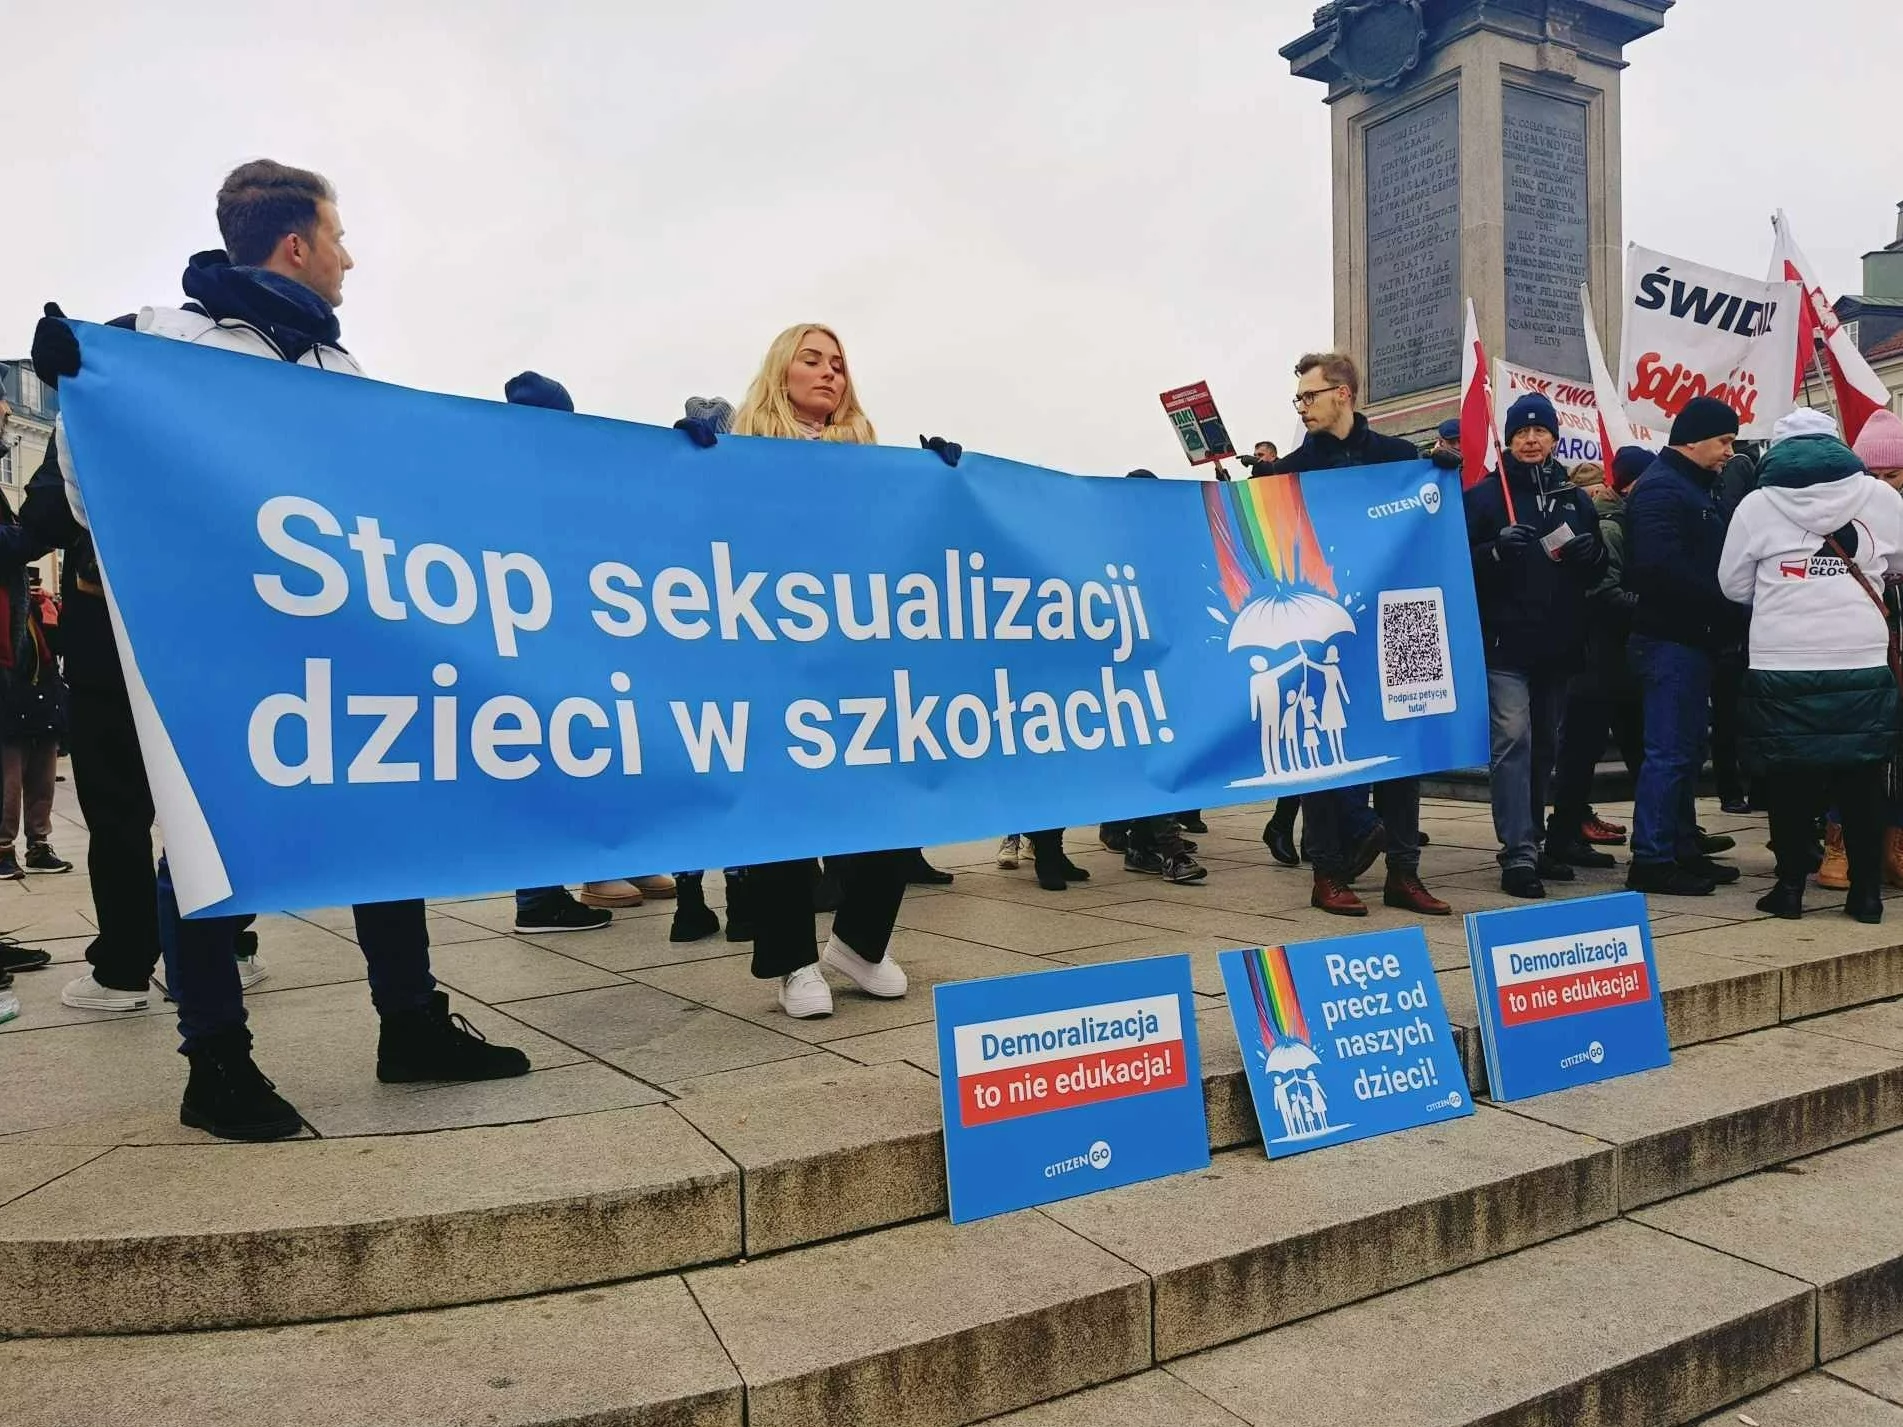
390 643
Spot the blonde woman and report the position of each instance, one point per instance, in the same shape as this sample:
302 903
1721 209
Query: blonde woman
804 391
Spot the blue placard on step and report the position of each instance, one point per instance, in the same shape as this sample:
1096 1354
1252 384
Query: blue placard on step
1568 993
1057 1084
1343 1039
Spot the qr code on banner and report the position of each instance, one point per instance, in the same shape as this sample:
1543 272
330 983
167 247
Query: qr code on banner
1417 671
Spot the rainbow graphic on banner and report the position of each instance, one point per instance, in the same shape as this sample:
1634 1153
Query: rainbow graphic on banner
1263 535
1277 1011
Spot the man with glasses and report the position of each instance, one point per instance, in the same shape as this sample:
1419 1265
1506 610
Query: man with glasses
1327 385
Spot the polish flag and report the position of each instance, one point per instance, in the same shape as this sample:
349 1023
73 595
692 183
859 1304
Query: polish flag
1859 391
1477 459
1615 429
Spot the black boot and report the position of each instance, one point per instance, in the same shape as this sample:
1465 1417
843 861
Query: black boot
432 1044
1055 870
920 873
1785 900
739 905
228 1096
1865 904
693 918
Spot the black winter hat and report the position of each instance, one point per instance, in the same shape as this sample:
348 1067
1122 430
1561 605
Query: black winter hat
1533 409
1703 418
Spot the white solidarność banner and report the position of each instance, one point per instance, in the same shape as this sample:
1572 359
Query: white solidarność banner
1694 331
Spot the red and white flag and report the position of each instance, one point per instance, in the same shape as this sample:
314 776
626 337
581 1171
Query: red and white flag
1615 428
1478 457
1859 391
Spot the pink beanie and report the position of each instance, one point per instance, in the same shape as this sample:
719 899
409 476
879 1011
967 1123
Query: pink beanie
1880 443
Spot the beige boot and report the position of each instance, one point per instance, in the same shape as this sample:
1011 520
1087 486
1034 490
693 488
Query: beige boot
1835 873
1893 857
618 893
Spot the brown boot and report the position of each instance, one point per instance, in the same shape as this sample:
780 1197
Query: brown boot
1893 857
1335 898
1835 873
1404 890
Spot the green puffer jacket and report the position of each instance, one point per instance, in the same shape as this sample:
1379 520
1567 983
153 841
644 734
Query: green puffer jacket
1817 718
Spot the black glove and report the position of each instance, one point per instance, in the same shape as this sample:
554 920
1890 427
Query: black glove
1578 550
1514 541
1446 460
701 432
948 451
55 348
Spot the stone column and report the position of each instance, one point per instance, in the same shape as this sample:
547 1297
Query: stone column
1476 154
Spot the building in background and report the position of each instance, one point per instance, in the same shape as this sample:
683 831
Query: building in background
32 407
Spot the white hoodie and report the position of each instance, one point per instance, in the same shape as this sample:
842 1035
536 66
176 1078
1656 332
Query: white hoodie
1808 611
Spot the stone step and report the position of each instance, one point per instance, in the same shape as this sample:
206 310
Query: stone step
152 1237
1813 1400
143 1238
636 1353
1726 1108
1248 1244
1830 1221
1619 1326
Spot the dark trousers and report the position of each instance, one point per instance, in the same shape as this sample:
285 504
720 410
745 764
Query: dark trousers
1046 845
1795 797
1677 683
202 974
1334 822
1592 717
780 898
1283 818
116 801
1727 679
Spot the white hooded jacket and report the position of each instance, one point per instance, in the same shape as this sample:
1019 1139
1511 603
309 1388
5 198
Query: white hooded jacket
1808 610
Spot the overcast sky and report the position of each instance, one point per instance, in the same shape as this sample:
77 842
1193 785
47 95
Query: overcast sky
1025 220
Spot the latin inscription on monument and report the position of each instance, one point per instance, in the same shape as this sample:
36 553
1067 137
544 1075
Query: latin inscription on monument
1414 315
1544 151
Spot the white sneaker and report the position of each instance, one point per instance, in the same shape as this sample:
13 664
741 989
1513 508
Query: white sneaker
1010 850
618 893
251 970
86 994
805 995
884 979
9 1006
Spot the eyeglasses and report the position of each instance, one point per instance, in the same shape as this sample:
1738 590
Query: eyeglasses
1306 399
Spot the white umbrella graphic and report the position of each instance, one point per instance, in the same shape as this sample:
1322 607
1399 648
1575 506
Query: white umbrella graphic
1275 621
1290 1055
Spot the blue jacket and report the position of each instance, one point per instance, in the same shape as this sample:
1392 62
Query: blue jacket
1533 607
1676 517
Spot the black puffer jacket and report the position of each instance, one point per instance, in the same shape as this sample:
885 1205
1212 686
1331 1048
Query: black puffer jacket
1795 719
1323 451
1532 606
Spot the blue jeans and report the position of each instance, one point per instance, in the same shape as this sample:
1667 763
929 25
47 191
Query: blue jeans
1676 684
202 975
1523 727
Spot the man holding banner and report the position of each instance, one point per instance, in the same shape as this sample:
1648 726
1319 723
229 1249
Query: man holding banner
274 297
1327 385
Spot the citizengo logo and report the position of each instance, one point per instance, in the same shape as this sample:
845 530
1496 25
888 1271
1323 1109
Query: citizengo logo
1096 1157
1428 499
1595 1052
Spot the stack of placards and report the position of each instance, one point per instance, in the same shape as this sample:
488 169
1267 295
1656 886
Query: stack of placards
1567 993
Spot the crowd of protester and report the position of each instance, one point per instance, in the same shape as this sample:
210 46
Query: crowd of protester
1691 600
